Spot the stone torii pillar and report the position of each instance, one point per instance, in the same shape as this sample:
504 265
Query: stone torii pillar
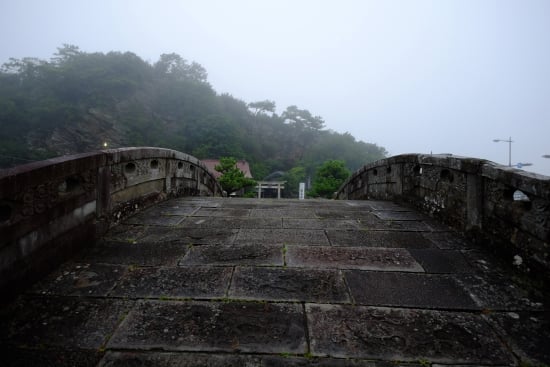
279 185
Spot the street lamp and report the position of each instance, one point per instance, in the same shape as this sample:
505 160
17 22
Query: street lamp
509 141
546 156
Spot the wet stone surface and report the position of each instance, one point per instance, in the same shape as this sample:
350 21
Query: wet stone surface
184 359
210 326
234 255
343 213
179 282
67 322
527 333
399 215
401 334
81 279
274 283
441 261
22 357
310 237
319 223
408 290
125 233
156 219
326 286
191 236
233 223
352 258
407 225
497 292
386 239
140 254
221 212
448 240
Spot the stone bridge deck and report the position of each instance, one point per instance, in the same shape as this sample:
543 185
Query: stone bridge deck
245 282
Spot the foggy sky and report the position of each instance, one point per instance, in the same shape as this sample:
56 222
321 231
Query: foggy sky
414 76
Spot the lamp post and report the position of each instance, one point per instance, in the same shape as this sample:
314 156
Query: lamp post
546 156
509 141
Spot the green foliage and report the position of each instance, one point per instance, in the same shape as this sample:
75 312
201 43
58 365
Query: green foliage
232 178
262 106
293 177
328 179
76 100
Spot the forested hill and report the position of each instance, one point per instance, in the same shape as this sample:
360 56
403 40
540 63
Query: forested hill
77 101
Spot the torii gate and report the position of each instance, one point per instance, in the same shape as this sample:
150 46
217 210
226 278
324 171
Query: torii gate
270 185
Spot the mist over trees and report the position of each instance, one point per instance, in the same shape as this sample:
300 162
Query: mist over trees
79 101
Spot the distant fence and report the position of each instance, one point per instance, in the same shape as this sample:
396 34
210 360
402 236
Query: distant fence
503 207
51 208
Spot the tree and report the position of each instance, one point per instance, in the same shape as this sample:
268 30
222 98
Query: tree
177 67
293 177
262 106
232 178
328 179
302 119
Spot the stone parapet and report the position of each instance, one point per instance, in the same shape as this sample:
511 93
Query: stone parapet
502 207
50 209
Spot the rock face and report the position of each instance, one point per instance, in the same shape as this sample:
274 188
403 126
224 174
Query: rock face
205 282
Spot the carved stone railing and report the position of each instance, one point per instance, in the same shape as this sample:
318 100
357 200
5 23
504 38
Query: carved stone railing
50 209
503 207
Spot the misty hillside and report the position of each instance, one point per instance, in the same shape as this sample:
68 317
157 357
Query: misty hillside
77 101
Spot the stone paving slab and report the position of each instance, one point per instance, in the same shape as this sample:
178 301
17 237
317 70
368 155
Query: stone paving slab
266 213
209 202
80 279
311 237
179 282
222 212
125 233
210 326
399 215
259 255
387 239
283 213
441 261
408 290
528 334
25 357
174 209
146 218
222 290
449 240
497 292
343 213
232 223
364 258
287 284
408 225
183 359
378 205
140 254
293 223
403 335
189 236
67 322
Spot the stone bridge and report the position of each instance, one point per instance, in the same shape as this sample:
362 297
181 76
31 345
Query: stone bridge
132 257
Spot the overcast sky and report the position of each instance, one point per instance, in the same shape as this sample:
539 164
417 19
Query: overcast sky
414 76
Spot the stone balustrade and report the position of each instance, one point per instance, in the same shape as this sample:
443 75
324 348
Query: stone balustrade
50 209
502 207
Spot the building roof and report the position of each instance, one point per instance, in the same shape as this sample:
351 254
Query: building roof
241 165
